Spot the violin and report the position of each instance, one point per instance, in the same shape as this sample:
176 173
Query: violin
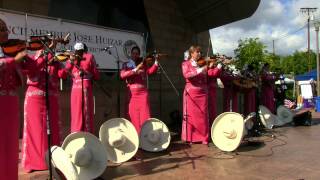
202 61
247 80
64 56
149 59
14 46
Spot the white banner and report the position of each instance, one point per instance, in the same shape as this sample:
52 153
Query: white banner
95 37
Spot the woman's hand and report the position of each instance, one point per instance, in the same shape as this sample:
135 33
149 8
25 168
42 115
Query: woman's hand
20 56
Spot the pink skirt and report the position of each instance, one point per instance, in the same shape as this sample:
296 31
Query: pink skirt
267 98
139 108
79 121
250 101
9 138
195 125
35 139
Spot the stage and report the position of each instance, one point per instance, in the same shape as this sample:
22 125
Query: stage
288 153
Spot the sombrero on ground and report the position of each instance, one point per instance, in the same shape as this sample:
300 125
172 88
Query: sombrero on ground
227 131
120 139
87 154
154 135
267 118
61 161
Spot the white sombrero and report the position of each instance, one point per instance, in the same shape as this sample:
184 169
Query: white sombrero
227 131
154 135
60 160
267 118
285 116
249 122
86 153
120 138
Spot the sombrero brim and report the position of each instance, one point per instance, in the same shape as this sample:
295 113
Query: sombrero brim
285 116
62 162
225 123
267 118
127 150
153 124
78 140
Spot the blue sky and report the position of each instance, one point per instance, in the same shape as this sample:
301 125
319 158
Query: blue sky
274 19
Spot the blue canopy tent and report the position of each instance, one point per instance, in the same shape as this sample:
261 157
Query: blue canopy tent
307 76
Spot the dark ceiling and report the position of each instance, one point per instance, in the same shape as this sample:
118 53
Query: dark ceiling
207 14
130 14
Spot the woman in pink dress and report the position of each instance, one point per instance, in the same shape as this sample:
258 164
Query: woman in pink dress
135 73
195 125
267 88
212 94
10 80
250 93
230 94
35 140
83 70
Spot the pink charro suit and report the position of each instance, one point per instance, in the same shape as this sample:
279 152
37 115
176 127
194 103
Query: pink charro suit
267 91
9 118
212 95
91 73
35 142
229 92
138 108
195 125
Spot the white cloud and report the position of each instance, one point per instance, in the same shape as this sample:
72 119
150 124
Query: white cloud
273 19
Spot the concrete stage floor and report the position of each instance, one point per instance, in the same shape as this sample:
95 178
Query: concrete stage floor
285 153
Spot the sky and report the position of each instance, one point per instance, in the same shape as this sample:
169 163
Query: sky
279 20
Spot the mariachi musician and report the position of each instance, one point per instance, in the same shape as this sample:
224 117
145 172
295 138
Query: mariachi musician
83 70
35 141
250 89
212 87
10 81
195 126
267 88
230 91
135 72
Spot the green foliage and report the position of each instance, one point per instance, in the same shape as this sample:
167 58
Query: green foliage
252 51
297 63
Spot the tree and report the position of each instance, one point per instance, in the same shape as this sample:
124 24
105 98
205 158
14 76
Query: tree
250 51
297 63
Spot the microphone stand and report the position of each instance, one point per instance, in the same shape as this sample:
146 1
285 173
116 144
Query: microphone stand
172 85
118 77
82 73
48 123
82 93
257 126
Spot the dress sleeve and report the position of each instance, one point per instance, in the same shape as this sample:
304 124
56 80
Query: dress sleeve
153 69
125 72
214 72
187 71
7 63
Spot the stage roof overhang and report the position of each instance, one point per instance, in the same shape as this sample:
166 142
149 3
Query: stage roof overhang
208 14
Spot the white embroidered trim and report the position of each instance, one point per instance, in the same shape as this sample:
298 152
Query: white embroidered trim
8 93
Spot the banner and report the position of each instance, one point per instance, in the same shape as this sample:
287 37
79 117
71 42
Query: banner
118 42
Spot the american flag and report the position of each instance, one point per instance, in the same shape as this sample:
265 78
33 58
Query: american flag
289 104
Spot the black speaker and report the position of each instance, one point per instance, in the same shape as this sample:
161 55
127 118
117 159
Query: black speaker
302 118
